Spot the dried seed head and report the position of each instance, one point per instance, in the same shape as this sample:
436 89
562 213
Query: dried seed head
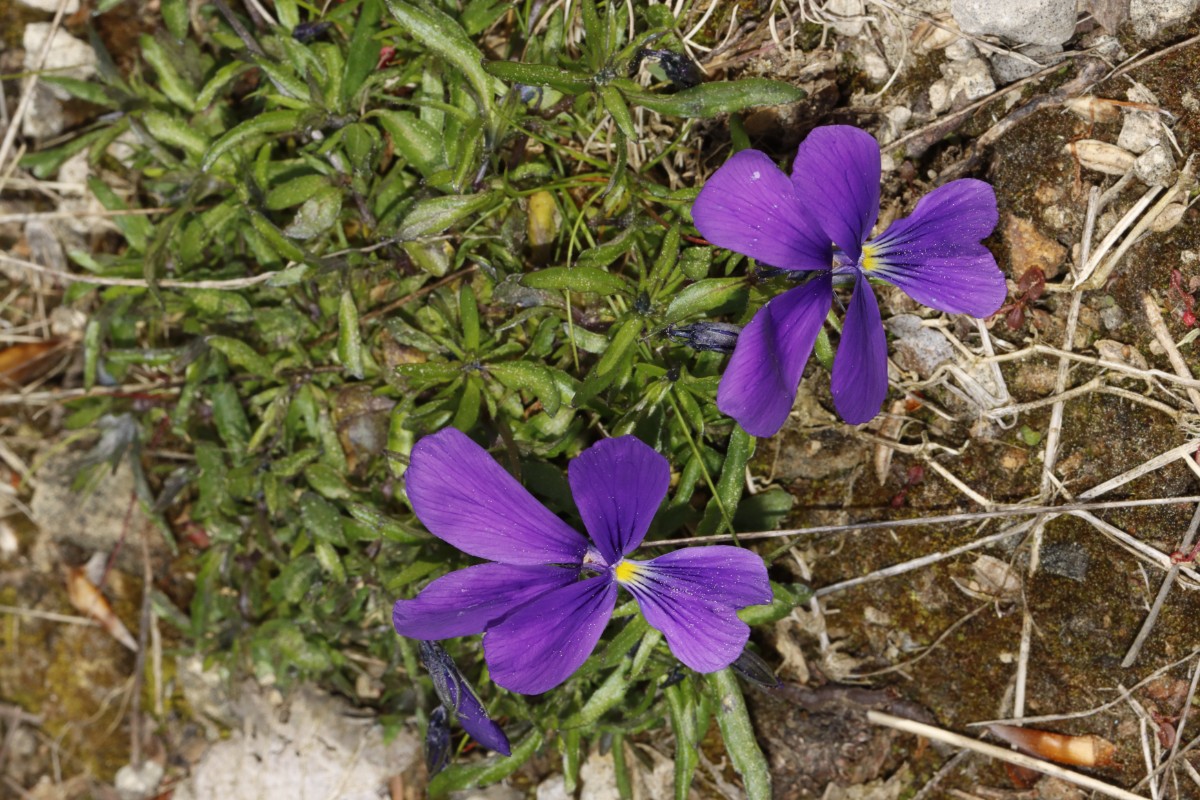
1093 109
1101 156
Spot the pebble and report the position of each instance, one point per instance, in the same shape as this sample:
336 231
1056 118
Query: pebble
1007 69
51 6
917 348
1066 560
45 117
1155 166
1112 317
1028 247
1139 133
1025 21
68 57
137 783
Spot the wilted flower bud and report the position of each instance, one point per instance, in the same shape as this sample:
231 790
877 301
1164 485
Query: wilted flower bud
751 667
437 741
717 336
455 693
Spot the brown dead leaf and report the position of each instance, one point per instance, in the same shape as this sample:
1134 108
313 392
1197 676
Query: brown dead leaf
22 363
89 600
1079 751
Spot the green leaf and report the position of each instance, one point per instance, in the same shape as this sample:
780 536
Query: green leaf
349 337
137 229
330 561
468 315
230 417
738 733
710 99
491 770
730 484
433 216
563 80
88 91
414 139
295 191
681 705
615 104
437 31
241 354
220 79
385 526
709 296
321 519
175 132
468 404
175 17
177 89
785 597
576 279
318 214
530 377
364 51
266 124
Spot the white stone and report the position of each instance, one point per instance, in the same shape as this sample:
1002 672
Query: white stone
974 81
1140 132
1024 21
553 788
1155 166
840 10
961 50
939 96
1149 17
317 750
137 783
51 6
68 57
598 778
876 68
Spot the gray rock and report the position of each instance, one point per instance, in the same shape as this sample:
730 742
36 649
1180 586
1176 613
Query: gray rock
1007 69
45 117
1112 317
1024 21
960 50
1066 560
1149 17
1155 166
68 56
917 348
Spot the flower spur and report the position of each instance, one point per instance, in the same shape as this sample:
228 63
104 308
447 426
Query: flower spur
546 595
819 220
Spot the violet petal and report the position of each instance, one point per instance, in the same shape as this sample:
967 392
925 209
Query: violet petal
465 498
759 385
934 254
465 602
749 206
618 485
539 645
859 382
836 175
687 597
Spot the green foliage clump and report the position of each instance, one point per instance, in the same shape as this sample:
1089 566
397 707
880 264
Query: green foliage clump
375 232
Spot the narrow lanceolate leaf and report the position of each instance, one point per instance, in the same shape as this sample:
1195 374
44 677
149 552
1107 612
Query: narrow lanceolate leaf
364 50
614 102
711 295
268 124
710 99
431 217
558 78
174 132
440 33
576 279
416 140
349 337
241 354
738 733
731 482
318 214
479 773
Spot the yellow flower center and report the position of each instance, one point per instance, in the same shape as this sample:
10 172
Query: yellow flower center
626 571
869 260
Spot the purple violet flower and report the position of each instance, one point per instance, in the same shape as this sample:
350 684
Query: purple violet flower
819 220
547 594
